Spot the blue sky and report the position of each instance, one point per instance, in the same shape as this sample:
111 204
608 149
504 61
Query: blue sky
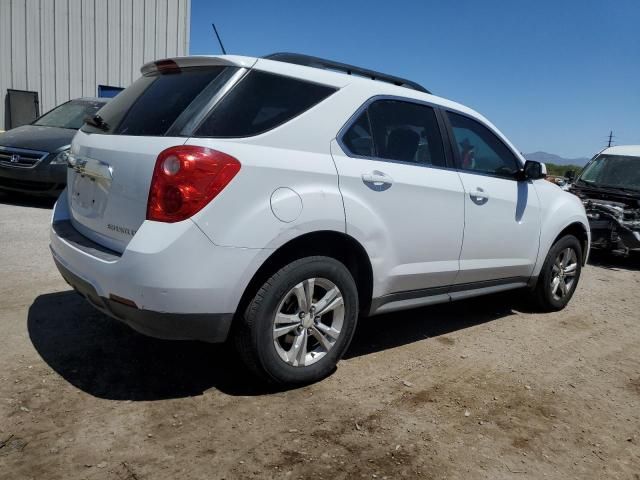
552 75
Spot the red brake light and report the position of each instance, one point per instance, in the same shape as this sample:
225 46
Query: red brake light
167 66
185 179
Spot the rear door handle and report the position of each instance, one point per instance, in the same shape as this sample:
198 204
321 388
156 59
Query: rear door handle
377 181
479 196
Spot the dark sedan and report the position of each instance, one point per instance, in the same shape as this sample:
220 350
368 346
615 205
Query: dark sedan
33 158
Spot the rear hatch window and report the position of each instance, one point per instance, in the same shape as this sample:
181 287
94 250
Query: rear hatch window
160 103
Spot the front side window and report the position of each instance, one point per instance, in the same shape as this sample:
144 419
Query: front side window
260 102
397 130
69 115
480 150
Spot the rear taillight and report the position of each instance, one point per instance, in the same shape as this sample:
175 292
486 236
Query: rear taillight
185 179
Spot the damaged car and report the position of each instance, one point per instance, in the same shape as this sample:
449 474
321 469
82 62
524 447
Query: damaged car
609 187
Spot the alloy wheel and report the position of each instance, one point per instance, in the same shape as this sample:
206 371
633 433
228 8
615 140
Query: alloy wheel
308 322
563 273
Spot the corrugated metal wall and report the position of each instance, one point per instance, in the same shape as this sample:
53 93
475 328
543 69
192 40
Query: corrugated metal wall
64 49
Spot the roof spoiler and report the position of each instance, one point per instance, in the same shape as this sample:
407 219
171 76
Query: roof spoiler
176 63
309 61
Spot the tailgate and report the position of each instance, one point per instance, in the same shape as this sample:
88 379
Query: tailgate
114 154
108 184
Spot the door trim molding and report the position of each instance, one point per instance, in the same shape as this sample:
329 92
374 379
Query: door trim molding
429 296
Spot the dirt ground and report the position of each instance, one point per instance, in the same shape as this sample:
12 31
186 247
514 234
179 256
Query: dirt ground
476 389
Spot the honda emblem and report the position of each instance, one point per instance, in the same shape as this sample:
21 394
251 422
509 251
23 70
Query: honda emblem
15 158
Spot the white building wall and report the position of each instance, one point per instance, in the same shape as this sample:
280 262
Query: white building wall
64 49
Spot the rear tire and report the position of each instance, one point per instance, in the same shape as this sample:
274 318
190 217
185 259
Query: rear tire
559 276
300 322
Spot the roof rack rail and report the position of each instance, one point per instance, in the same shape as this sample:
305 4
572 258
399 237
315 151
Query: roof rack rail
309 61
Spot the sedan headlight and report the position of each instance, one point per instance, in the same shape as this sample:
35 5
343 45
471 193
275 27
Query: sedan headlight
61 158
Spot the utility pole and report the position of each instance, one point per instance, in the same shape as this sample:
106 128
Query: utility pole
610 138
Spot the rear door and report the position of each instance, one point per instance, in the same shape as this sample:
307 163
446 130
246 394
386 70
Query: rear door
502 214
113 156
401 200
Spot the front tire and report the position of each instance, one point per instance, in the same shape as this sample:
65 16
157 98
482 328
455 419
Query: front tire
559 276
300 322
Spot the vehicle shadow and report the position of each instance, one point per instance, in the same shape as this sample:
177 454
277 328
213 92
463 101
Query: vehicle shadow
20 200
109 360
612 261
391 330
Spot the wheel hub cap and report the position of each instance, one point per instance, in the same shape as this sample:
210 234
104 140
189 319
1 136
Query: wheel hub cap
308 322
563 273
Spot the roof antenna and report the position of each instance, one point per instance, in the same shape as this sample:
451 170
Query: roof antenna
215 30
611 137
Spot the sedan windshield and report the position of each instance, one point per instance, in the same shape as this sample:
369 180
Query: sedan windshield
69 115
613 171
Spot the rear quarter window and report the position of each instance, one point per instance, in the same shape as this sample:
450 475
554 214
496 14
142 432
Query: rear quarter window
261 102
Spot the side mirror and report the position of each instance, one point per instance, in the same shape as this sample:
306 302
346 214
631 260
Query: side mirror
534 170
570 175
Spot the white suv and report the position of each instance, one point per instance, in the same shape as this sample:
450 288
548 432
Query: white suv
277 200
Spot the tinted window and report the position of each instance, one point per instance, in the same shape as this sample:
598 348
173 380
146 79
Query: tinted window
153 102
406 132
69 115
358 139
260 102
480 150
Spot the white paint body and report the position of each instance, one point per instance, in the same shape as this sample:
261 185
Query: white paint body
421 233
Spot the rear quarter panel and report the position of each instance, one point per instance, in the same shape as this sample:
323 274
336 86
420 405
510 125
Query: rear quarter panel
242 214
295 155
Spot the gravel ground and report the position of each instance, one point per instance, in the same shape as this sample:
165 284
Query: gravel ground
476 389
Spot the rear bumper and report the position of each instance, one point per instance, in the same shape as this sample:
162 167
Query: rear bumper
170 326
170 282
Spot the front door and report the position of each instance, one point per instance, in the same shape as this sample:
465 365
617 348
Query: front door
502 214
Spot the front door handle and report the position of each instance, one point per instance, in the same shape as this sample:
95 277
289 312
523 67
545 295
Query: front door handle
479 196
377 181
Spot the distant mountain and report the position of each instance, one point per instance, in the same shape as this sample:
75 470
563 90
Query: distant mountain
555 159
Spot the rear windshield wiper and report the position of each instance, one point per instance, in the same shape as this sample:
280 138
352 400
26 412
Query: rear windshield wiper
97 121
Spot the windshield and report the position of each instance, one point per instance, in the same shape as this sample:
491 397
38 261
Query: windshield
613 171
69 115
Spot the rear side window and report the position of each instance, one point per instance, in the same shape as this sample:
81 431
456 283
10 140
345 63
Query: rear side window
260 102
152 104
480 150
399 131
